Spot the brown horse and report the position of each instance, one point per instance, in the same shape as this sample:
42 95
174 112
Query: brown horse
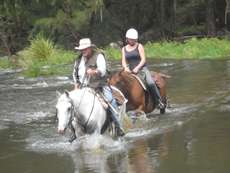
139 99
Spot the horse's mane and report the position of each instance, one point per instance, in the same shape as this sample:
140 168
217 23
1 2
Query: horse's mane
69 95
128 77
122 80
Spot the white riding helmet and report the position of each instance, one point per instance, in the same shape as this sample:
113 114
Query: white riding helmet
132 34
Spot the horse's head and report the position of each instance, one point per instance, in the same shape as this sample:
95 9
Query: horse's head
114 79
65 111
121 79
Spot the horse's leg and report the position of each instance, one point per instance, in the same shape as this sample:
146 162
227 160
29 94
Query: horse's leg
139 110
107 124
161 84
73 134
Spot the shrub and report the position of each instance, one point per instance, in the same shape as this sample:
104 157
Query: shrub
42 58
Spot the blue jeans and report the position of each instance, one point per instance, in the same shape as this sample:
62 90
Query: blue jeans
109 97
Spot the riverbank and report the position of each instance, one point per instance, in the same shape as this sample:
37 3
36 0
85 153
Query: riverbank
43 58
205 48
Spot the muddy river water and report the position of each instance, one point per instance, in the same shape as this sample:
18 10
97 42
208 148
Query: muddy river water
193 136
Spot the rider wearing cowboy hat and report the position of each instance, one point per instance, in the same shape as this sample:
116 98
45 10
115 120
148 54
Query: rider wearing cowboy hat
90 70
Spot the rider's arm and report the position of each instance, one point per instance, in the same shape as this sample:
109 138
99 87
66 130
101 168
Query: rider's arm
101 65
123 60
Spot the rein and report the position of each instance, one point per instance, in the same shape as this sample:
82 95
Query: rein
85 125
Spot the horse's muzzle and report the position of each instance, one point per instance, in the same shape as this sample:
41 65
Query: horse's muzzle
61 131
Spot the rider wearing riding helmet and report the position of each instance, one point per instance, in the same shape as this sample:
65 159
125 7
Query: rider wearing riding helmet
134 61
90 70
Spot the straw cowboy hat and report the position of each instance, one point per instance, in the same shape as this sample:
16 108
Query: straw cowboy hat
84 43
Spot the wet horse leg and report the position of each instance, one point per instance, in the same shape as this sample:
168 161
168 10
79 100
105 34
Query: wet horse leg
160 80
140 109
73 135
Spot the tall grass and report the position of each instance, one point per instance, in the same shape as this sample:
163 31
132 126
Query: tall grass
5 63
206 48
112 53
43 58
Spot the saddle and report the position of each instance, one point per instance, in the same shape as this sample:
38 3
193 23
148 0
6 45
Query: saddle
157 77
100 98
117 94
141 80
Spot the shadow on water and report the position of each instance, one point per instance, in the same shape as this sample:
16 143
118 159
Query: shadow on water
193 136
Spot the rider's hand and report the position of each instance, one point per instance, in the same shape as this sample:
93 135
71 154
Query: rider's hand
91 72
76 86
127 69
135 70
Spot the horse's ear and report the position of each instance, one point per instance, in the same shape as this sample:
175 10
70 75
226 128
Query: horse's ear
58 94
67 93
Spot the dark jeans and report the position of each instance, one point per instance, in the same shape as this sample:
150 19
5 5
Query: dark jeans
151 84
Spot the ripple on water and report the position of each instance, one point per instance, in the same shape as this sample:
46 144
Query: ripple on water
60 144
3 126
50 141
225 108
31 83
25 117
93 151
37 116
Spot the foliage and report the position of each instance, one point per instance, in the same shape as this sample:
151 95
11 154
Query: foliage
60 20
105 21
5 63
68 20
13 26
43 58
112 53
206 48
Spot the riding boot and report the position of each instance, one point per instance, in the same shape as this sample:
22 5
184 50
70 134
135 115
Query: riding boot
156 95
107 92
119 131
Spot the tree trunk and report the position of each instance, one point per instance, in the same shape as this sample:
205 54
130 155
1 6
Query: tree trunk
173 6
226 16
162 17
210 18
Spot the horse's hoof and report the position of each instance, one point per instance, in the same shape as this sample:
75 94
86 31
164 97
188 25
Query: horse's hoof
162 111
161 105
72 138
120 132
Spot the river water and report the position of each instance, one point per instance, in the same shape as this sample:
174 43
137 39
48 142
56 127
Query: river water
193 136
